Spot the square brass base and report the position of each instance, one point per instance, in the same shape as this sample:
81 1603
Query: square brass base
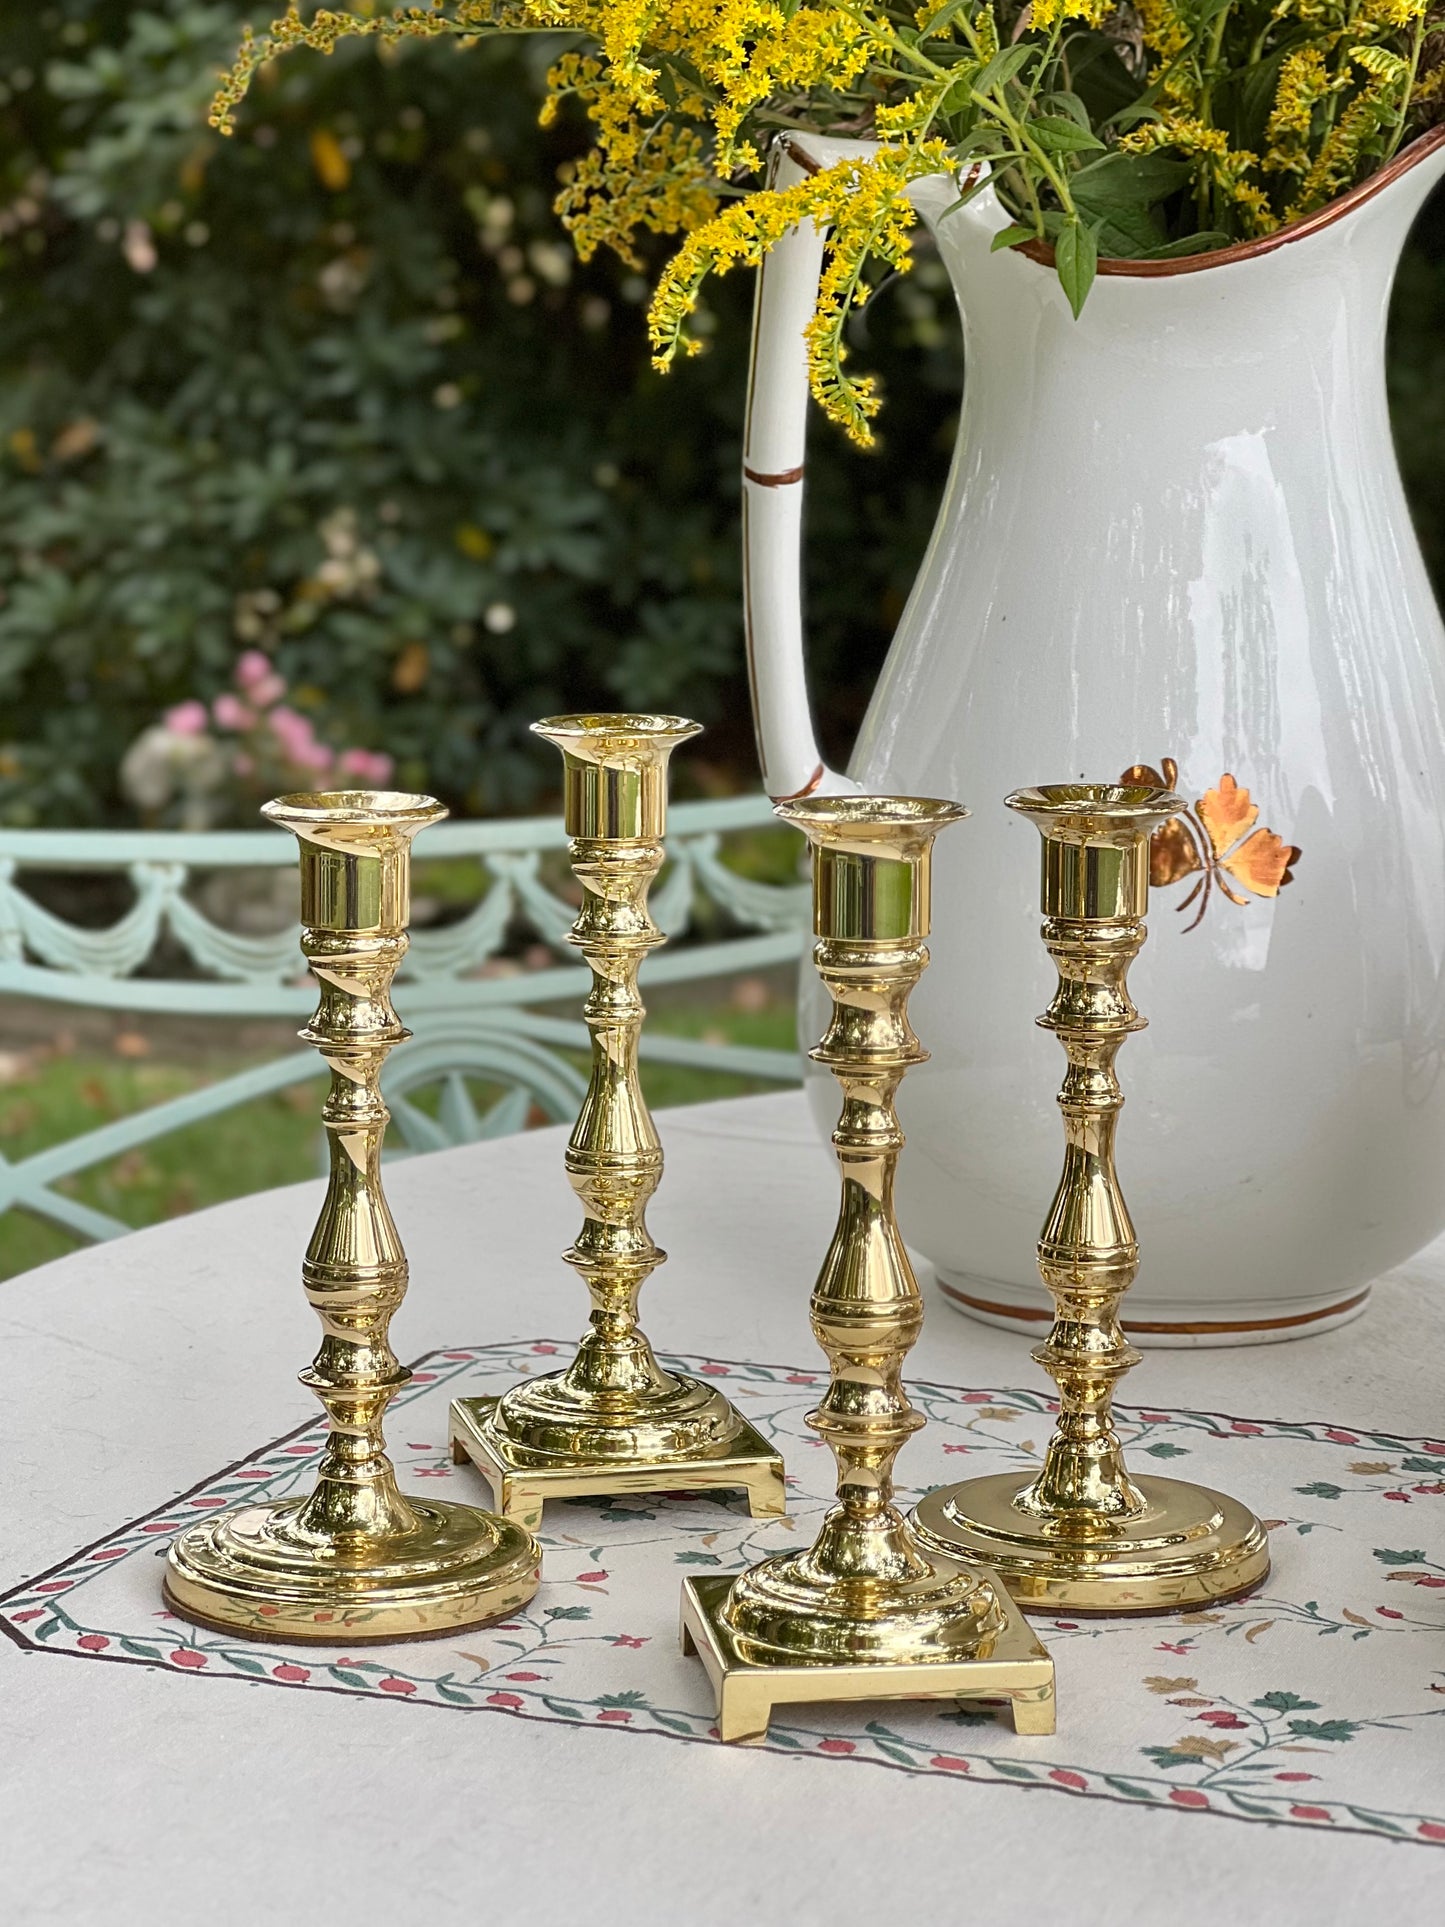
521 1483
1015 1667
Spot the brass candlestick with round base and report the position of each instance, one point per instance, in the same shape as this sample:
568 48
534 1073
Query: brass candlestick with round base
356 1560
867 1612
614 1421
1084 1536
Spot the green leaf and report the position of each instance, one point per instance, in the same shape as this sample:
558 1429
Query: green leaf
569 1612
1164 1450
1388 1558
1012 236
1199 243
1320 1489
1324 1729
1127 180
138 1648
452 1694
1417 1464
347 1678
1012 1771
1005 66
1076 257
1286 1703
1068 105
697 1559
561 1707
1057 134
244 1663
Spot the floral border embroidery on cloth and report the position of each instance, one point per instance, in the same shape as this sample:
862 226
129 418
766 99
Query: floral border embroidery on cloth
1314 1703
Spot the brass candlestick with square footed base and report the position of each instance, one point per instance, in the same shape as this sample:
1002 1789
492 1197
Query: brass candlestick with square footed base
866 1612
1083 1536
356 1560
614 1421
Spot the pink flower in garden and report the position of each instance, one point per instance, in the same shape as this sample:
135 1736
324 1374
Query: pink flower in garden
297 738
259 680
243 765
229 712
369 766
187 719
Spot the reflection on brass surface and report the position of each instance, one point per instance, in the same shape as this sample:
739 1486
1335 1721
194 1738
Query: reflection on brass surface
1211 838
356 1559
614 1420
1083 1535
865 1612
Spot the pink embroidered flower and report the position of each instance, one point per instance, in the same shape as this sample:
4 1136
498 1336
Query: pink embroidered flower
628 1639
505 1699
618 1715
1339 1437
187 719
92 1642
590 1578
1188 1796
293 1675
1249 1431
1430 1579
1065 1778
1311 1813
547 1351
1170 1646
1296 1776
35 1612
1155 1418
188 1656
800 1378
1217 1716
54 1585
949 1764
956 1448
836 1746
976 1398
1402 1497
1430 1830
1388 1612
109 1552
530 1676
390 1685
717 1371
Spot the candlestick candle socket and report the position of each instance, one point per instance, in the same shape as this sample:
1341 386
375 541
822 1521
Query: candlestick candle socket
356 1559
1082 1535
614 1421
866 1612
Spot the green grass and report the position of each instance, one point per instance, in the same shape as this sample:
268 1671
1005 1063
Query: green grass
272 1140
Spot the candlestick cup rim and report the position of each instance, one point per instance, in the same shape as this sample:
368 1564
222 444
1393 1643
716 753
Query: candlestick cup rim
581 731
870 819
1115 804
335 809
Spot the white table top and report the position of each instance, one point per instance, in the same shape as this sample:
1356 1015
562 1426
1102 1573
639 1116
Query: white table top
135 1369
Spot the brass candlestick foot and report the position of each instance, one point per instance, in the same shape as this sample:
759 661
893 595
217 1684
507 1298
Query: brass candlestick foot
356 1560
614 1421
866 1612
1084 1536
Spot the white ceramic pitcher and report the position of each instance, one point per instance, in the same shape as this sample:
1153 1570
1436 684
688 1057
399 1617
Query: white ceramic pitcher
1174 529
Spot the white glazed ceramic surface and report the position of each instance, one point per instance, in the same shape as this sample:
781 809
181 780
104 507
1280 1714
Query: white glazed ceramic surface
1174 528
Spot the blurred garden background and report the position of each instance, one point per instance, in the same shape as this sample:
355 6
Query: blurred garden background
318 447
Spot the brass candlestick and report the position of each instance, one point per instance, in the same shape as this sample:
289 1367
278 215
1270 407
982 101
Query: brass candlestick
1084 1536
356 1560
866 1612
614 1421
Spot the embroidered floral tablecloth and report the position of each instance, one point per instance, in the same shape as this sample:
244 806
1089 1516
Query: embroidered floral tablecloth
1319 1702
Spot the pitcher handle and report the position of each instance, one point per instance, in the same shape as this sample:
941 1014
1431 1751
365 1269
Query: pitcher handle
774 448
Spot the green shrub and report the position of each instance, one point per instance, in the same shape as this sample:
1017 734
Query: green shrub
337 389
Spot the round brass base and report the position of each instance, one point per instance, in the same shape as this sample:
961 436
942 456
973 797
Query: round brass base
1189 1548
785 1610
253 1571
551 1418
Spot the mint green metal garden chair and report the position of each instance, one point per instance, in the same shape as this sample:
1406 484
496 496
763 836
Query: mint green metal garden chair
165 955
